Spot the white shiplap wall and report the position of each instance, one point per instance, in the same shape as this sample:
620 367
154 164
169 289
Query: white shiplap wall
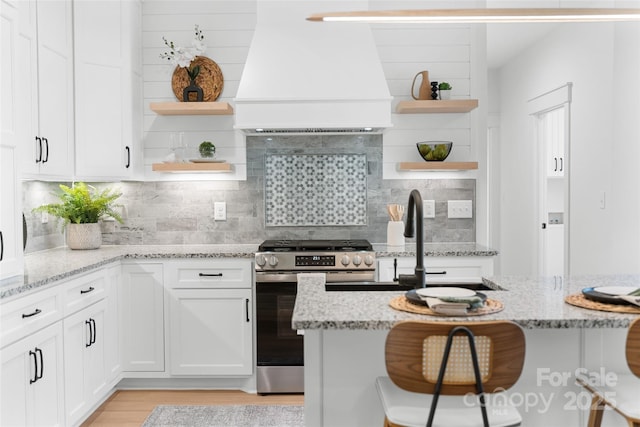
228 28
448 52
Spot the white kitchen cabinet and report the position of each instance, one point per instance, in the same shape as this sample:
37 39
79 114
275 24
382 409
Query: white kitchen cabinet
113 328
553 134
32 391
45 106
210 317
106 113
11 257
439 269
142 305
84 362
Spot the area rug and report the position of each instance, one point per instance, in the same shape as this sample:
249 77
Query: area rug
226 416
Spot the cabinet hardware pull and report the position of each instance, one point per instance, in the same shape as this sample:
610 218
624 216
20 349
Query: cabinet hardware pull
436 272
246 305
36 311
128 157
561 164
544 225
210 274
88 323
39 351
46 144
91 288
555 168
35 367
93 329
39 149
395 269
1 246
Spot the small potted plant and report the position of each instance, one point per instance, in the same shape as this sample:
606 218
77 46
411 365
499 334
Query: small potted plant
207 150
81 207
445 90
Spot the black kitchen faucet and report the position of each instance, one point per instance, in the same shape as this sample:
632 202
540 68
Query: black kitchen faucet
415 206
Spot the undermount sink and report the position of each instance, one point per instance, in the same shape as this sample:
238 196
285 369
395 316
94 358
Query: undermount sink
395 286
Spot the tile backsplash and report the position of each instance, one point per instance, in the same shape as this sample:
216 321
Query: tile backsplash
315 189
181 212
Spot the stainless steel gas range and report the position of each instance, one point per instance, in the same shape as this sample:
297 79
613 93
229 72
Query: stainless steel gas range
280 355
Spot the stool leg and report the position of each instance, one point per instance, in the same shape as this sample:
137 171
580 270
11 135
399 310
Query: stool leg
596 411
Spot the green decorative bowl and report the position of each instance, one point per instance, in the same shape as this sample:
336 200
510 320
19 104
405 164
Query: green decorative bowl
434 151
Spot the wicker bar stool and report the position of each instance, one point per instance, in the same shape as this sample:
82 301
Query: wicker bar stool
446 374
624 396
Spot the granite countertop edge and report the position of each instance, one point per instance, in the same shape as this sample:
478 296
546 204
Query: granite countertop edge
317 309
49 266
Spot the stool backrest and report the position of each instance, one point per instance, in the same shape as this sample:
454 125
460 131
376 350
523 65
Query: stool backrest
633 347
414 349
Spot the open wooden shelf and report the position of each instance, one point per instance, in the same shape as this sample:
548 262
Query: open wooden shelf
437 166
437 106
191 167
191 108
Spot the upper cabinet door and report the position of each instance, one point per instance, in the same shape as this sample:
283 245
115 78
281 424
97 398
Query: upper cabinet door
55 87
44 108
103 32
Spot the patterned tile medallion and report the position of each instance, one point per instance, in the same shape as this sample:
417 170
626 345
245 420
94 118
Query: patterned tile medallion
315 189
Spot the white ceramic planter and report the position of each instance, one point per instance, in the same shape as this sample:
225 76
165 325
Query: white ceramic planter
84 236
445 94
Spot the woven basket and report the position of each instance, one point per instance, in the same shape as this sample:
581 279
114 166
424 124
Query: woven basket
210 79
84 236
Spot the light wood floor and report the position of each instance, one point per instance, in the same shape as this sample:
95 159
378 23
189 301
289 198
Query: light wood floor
129 408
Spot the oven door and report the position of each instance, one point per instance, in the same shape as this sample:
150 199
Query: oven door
280 350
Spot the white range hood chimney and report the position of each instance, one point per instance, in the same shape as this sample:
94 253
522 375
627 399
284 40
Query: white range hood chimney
303 76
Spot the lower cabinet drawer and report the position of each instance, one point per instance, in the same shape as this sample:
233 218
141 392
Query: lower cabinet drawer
201 274
30 313
81 292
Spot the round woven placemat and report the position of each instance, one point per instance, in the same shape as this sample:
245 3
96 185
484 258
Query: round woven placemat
401 303
579 300
210 79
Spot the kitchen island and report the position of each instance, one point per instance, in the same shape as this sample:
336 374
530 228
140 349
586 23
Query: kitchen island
345 334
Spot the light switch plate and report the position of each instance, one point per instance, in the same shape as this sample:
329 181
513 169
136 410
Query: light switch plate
220 211
429 208
460 209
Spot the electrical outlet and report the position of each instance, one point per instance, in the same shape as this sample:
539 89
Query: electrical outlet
45 217
220 211
429 208
460 209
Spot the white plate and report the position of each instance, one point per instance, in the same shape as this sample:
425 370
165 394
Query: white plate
616 290
445 291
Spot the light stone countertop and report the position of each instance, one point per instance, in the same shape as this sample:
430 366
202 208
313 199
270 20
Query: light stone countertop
45 267
532 303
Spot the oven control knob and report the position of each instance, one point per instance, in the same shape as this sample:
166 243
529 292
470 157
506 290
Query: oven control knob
273 261
368 260
345 260
357 260
261 260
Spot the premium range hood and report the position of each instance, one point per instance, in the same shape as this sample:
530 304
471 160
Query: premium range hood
310 77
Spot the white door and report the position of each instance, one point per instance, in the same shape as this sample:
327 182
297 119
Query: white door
211 332
551 112
142 305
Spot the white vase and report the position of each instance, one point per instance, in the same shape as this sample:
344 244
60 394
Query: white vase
395 233
84 236
445 94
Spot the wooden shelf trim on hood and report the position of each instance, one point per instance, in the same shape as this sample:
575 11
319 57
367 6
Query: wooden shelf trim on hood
191 108
437 166
437 106
191 167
